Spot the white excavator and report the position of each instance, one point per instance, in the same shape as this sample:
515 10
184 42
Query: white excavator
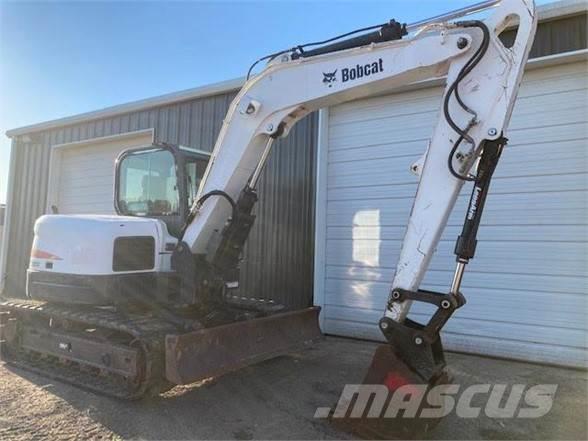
136 303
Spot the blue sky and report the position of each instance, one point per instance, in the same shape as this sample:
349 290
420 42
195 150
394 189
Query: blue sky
62 58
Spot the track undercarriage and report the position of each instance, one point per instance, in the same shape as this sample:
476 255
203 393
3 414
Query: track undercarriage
129 355
103 350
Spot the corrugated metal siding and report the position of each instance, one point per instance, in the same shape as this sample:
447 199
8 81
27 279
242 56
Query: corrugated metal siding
28 203
286 215
281 248
556 36
527 288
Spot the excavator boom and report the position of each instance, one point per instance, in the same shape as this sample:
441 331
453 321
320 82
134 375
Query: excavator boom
482 81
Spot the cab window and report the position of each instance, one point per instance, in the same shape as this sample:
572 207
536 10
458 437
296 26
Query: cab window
195 168
148 184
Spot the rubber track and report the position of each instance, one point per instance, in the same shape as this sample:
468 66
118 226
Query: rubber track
147 331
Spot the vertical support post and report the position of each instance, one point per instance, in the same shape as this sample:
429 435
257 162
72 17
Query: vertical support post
320 229
8 215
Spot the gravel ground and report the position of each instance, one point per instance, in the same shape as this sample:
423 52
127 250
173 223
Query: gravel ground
274 400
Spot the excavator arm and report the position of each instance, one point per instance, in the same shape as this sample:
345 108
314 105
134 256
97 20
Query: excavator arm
483 78
291 87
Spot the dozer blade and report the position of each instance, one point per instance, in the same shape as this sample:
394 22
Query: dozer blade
384 419
215 351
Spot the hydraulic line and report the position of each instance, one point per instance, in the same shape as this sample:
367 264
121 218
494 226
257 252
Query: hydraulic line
200 201
454 90
387 31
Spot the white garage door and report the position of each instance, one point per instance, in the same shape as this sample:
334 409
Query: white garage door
527 287
83 173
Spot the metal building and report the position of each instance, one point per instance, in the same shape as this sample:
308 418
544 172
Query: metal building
523 302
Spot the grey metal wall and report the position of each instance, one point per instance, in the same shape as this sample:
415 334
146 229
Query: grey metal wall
280 252
278 260
564 34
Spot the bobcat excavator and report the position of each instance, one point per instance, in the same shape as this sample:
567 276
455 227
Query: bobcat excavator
136 303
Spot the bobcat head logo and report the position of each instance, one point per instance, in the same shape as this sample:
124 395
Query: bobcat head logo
330 78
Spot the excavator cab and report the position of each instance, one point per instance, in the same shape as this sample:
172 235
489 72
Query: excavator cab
159 181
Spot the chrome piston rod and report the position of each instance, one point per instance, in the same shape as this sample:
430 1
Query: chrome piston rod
264 157
457 277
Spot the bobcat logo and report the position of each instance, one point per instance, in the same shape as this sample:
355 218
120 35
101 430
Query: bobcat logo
330 78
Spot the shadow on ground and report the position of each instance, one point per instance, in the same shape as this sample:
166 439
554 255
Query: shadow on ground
277 400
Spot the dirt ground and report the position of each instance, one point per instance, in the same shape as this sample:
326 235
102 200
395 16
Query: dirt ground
274 400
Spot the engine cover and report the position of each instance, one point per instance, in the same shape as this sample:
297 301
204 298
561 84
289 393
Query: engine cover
95 259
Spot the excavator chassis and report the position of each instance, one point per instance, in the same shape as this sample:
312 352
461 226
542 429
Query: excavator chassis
131 355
